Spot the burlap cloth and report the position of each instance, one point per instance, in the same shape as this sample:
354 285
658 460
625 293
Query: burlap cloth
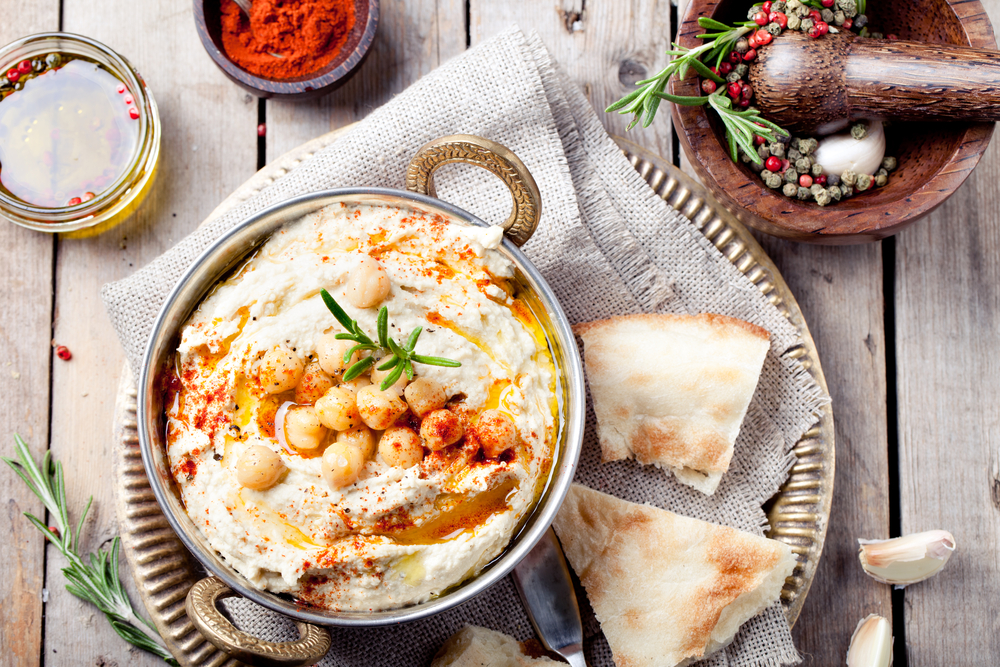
606 244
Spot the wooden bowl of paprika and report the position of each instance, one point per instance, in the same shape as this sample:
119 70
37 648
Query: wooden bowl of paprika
291 51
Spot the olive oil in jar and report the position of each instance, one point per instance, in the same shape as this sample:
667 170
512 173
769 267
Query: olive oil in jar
68 130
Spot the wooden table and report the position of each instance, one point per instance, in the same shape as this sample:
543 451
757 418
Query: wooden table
907 328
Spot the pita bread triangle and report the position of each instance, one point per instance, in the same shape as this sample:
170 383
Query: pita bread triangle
672 390
667 589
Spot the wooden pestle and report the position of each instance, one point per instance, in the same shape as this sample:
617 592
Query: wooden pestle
802 83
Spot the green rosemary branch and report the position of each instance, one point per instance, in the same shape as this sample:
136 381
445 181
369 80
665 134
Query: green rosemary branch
741 126
96 582
643 102
400 357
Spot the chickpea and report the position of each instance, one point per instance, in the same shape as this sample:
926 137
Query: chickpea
424 395
379 409
496 432
280 370
338 410
400 447
361 437
330 353
357 383
313 384
259 468
342 464
441 428
368 285
303 429
377 376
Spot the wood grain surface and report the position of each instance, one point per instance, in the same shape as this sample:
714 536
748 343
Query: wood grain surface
946 299
948 316
25 357
605 47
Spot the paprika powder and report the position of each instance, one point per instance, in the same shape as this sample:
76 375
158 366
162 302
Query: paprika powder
285 39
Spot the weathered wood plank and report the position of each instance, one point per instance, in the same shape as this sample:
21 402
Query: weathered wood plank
605 48
413 38
948 306
840 293
25 353
203 158
948 315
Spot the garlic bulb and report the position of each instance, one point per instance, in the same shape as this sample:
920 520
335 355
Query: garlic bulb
871 644
839 152
908 559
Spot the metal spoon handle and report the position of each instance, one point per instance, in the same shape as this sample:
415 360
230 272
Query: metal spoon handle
543 581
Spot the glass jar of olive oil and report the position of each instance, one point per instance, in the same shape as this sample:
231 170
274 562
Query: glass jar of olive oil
79 135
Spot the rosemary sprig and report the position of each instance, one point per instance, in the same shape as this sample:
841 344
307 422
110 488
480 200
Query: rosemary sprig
400 357
96 582
741 126
644 101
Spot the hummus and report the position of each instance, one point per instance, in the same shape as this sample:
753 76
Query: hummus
380 531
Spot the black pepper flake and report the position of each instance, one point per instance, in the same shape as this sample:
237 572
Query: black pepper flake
217 456
347 510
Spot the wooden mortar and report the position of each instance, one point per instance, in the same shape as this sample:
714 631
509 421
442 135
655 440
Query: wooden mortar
934 158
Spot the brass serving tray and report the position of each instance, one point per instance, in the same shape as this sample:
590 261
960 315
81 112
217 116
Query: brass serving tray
798 513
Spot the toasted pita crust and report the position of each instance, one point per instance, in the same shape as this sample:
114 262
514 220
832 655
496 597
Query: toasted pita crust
473 646
672 390
667 589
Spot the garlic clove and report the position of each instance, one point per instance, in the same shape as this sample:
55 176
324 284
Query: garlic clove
871 643
908 559
839 152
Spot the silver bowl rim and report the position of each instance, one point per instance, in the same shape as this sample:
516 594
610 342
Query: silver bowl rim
538 520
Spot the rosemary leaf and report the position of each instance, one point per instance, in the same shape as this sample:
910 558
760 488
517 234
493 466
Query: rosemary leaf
703 70
383 326
391 378
338 312
388 362
358 368
711 24
684 100
434 361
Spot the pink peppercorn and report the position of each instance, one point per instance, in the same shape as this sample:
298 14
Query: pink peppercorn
805 181
63 353
725 68
773 164
750 55
708 86
821 179
779 18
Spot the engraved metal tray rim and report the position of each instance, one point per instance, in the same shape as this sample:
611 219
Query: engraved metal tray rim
164 571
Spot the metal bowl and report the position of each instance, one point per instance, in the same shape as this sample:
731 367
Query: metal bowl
228 252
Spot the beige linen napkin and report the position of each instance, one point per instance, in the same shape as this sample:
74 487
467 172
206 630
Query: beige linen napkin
606 244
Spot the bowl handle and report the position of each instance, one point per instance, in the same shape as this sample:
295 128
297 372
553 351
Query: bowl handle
312 645
489 155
